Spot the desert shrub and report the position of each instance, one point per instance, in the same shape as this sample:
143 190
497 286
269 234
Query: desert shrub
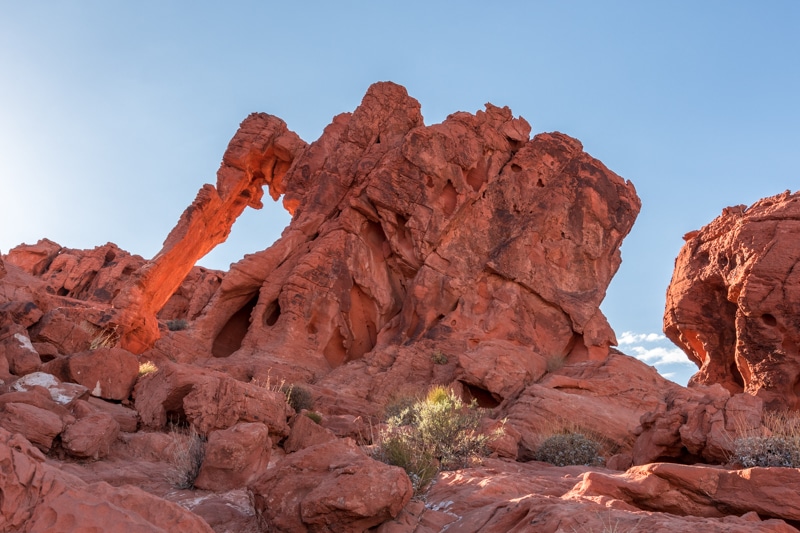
571 448
438 358
315 416
776 443
147 367
438 432
298 397
401 446
400 410
187 451
178 324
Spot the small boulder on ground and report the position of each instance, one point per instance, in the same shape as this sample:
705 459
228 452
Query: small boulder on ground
91 436
332 486
234 456
108 373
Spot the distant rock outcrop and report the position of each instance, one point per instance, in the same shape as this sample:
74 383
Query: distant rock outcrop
734 299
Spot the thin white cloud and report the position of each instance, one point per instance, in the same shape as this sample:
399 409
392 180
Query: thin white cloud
659 355
629 337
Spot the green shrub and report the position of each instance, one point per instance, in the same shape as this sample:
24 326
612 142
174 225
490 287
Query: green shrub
178 324
436 433
298 397
565 449
401 410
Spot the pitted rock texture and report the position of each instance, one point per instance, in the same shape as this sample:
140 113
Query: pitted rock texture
496 246
734 298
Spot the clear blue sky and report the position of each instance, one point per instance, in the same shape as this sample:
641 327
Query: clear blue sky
113 114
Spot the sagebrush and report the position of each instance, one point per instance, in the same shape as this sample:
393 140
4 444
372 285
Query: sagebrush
570 448
775 443
178 324
438 432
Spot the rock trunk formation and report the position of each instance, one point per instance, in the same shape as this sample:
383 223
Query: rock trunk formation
259 155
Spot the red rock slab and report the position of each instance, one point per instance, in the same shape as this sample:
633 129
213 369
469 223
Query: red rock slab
108 373
332 486
700 490
37 425
502 497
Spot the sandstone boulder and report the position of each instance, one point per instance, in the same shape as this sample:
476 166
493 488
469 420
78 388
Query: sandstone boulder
126 417
36 258
234 457
332 486
16 348
306 433
220 403
208 400
34 423
590 397
698 424
91 436
108 373
23 313
733 299
60 393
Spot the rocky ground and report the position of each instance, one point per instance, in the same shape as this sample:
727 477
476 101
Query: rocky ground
463 254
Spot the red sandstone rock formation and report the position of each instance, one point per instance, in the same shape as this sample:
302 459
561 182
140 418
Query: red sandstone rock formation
465 237
462 253
259 154
733 299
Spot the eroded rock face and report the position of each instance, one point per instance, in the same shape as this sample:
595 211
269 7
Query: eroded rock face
733 299
497 246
